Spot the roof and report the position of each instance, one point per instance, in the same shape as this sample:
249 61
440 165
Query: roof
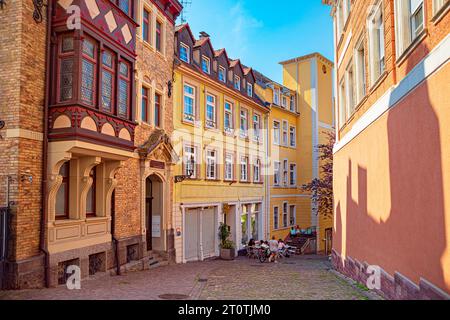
307 57
264 81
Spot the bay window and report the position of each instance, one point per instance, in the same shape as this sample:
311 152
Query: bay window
65 66
124 89
88 71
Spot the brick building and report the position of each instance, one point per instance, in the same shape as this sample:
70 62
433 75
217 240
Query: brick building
79 151
392 190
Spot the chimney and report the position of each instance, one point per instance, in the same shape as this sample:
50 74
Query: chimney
203 34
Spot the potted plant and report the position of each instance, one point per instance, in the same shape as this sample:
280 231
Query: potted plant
227 246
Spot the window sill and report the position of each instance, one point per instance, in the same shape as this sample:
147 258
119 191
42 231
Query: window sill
413 45
441 13
377 83
148 45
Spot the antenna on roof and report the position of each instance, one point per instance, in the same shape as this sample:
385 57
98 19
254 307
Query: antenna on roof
185 4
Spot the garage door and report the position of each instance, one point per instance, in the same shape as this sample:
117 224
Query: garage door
209 233
192 234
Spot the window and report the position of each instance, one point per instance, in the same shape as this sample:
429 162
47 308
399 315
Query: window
350 88
438 5
228 117
292 106
124 89
249 90
210 111
222 74
256 127
206 65
276 132
409 19
257 171
157 110
293 137
284 102
158 36
237 83
340 18
292 215
360 72
146 26
65 61
211 164
91 196
229 167
88 71
342 103
293 175
275 217
125 5
62 197
108 77
190 161
185 53
376 44
276 96
285 214
244 123
189 103
276 173
285 133
244 169
285 172
144 105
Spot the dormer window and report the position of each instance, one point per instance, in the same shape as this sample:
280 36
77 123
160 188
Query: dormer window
184 53
206 65
284 102
222 74
249 90
125 5
237 83
276 96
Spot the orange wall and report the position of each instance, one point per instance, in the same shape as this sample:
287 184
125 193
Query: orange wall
392 188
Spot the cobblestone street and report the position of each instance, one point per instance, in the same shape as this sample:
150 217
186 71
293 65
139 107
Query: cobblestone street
291 279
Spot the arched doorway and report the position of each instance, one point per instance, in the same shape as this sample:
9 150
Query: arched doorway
154 213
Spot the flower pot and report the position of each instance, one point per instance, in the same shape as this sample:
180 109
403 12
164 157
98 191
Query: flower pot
227 254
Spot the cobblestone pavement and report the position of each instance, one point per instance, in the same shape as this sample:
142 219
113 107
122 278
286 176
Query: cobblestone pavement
294 278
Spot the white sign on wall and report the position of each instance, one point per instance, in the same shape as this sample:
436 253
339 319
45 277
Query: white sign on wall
156 226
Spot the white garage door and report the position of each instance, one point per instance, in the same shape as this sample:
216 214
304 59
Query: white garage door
209 233
192 234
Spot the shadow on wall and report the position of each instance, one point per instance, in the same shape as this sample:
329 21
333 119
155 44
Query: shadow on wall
412 240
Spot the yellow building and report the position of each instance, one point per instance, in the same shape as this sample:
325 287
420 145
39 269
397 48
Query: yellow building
301 114
219 127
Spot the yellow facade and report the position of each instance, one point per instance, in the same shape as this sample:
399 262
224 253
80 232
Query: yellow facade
229 199
309 80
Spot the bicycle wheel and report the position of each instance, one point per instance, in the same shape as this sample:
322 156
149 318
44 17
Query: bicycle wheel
262 257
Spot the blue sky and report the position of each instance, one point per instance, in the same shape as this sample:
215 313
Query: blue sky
264 32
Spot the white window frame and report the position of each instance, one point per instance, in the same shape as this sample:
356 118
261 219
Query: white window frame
350 85
229 129
257 171
229 164
293 174
277 133
276 96
403 27
439 5
342 103
294 220
360 71
243 119
186 117
276 173
211 123
292 136
256 127
292 104
188 52
244 173
276 217
285 209
187 157
211 164
237 82
376 33
285 172
208 64
250 90
224 80
285 133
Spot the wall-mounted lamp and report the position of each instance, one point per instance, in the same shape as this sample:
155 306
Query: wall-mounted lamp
37 14
169 88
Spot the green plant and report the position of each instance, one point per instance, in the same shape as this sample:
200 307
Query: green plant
224 234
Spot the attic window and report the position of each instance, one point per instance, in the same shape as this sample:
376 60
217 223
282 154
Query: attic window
206 65
222 74
237 82
184 52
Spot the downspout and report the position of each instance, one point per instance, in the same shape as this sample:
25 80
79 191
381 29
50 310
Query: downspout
44 213
113 233
267 178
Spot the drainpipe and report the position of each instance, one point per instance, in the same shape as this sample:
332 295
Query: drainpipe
113 233
267 179
44 212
